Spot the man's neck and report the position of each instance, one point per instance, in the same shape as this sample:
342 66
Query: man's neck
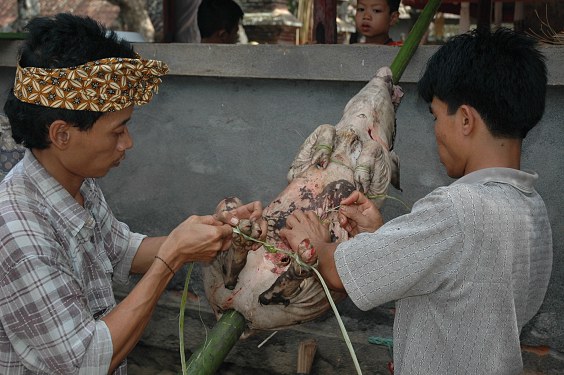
502 153
55 167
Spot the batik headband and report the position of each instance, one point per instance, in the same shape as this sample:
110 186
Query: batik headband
105 85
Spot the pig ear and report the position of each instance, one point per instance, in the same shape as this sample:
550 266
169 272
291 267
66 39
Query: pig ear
397 94
395 176
385 73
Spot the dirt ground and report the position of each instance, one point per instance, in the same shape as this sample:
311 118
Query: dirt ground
158 354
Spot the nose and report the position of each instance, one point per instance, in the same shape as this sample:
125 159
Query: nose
125 141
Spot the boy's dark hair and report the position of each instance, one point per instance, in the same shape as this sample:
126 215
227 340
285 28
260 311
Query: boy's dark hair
215 15
61 41
394 5
501 74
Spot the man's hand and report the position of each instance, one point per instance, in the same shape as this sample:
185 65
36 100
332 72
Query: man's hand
247 216
197 239
358 214
304 225
307 225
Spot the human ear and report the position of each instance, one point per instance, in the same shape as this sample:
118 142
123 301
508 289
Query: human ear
468 118
224 36
59 134
394 18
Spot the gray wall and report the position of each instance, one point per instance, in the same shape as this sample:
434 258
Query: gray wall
229 119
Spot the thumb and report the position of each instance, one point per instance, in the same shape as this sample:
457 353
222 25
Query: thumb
226 231
208 220
350 212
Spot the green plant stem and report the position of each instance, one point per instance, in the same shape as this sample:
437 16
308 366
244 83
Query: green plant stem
336 208
181 319
410 45
340 321
296 258
378 196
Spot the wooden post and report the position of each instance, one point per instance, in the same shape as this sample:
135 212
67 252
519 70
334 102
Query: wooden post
518 17
464 22
325 21
484 14
168 21
498 14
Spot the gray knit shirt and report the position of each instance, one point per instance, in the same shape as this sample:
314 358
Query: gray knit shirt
468 267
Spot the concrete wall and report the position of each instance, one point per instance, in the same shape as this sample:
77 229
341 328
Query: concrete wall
229 119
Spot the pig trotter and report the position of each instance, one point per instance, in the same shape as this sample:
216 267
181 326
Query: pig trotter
316 150
235 259
288 284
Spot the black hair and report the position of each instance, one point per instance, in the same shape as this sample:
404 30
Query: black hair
501 74
215 15
394 5
61 41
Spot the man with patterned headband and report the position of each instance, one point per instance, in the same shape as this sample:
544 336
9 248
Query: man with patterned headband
60 245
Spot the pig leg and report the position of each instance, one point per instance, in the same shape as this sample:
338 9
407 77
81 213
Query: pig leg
234 259
316 150
288 284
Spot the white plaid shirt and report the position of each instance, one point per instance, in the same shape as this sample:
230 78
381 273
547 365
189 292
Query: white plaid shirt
468 267
57 263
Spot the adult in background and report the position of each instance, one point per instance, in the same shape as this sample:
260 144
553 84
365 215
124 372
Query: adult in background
60 245
470 265
219 20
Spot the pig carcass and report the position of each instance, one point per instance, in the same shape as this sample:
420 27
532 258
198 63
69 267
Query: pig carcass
271 290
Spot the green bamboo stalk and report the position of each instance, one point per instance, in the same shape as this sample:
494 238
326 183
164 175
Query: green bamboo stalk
210 355
413 39
13 36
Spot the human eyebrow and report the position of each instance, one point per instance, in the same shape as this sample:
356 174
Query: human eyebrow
123 123
120 125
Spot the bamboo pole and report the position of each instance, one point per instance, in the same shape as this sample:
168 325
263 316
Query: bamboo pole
413 39
209 356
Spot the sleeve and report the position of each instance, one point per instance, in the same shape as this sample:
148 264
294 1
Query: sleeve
410 255
131 243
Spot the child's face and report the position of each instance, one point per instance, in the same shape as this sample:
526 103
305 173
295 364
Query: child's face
373 20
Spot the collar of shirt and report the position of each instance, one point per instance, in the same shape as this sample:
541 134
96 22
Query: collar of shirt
522 180
71 214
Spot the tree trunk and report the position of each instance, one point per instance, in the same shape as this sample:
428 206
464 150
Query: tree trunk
27 9
134 17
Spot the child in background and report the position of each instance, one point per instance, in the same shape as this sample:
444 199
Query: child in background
373 20
218 21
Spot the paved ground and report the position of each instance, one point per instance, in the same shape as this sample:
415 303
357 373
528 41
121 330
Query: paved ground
158 351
